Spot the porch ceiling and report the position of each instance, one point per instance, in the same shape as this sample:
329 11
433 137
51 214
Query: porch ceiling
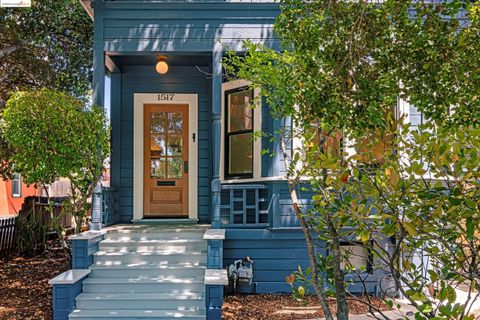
151 59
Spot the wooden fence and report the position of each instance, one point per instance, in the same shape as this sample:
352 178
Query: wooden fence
7 235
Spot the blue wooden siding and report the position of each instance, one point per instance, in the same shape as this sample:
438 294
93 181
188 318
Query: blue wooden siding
140 79
276 254
192 26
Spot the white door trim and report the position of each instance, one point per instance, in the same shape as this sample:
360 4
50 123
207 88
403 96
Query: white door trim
139 100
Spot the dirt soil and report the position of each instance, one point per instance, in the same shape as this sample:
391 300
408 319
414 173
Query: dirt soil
281 307
24 289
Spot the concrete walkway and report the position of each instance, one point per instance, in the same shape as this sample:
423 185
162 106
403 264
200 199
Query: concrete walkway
407 311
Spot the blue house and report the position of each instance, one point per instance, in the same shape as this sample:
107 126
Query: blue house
182 154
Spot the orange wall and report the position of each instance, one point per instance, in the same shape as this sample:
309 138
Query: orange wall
14 204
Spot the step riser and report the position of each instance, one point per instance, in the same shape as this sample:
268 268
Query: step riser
155 236
143 287
134 273
157 259
149 248
139 318
141 304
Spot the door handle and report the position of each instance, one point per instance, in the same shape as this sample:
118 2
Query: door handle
185 167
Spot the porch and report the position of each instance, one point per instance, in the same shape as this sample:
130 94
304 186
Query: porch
257 201
143 271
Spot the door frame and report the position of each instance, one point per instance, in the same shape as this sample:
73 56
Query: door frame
140 99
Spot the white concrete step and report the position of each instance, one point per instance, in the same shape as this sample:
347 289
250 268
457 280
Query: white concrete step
165 235
148 245
145 301
143 285
137 314
148 270
163 257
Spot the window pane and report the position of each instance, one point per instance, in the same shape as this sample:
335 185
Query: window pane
174 145
175 122
416 117
157 168
16 185
158 122
157 144
240 113
240 154
174 167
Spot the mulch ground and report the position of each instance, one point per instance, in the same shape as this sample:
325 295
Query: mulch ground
282 307
24 289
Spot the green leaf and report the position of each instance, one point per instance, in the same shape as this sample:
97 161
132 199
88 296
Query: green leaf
410 228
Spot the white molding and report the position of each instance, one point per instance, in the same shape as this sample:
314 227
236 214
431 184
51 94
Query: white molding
87 235
403 109
262 179
140 99
70 276
214 234
257 126
216 277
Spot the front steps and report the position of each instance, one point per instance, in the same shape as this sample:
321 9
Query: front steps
146 273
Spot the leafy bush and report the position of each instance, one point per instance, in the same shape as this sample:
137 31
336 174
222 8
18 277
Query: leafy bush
51 135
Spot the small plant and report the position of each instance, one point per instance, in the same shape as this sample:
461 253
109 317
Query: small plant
32 227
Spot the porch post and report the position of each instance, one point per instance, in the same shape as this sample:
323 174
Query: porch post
216 131
98 99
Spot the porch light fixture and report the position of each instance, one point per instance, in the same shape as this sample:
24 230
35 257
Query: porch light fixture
161 66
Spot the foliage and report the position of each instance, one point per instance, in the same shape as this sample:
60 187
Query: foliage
53 135
49 45
426 194
343 67
46 46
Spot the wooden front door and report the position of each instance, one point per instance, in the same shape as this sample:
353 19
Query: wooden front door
165 160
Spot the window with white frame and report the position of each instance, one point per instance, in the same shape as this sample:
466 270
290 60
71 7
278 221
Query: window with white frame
413 115
16 185
241 152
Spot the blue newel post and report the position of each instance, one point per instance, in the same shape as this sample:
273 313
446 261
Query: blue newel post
96 221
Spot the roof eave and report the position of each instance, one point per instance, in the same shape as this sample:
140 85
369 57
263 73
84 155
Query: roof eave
87 5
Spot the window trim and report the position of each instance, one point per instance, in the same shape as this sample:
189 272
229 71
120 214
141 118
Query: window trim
19 181
257 126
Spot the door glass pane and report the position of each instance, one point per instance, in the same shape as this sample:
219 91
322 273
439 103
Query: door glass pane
175 122
157 144
175 167
174 145
158 168
241 154
240 113
166 145
158 122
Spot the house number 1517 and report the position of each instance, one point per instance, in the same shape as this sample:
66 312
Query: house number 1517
166 96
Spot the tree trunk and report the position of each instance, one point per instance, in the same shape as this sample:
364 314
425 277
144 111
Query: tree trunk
308 239
11 49
340 291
